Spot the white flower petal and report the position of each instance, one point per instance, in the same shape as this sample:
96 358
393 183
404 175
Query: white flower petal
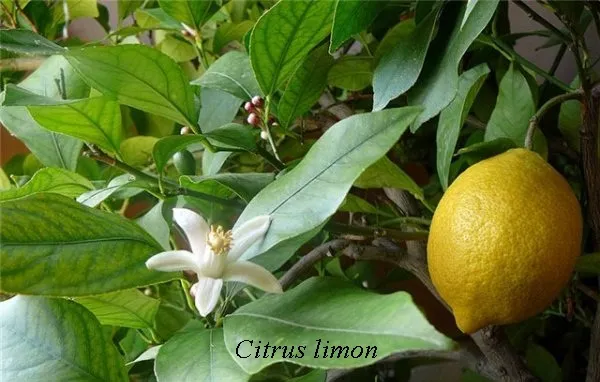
211 264
252 274
195 228
246 235
173 261
207 293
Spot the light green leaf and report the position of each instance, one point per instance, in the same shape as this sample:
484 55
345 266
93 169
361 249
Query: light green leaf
514 107
138 76
156 224
127 7
245 185
77 9
284 35
313 376
193 13
218 108
95 120
305 86
336 313
53 180
177 48
50 148
125 181
453 117
309 194
470 5
385 173
54 246
5 183
543 364
438 82
482 150
569 119
229 32
166 147
197 354
353 203
351 73
398 70
129 308
55 340
589 263
137 151
231 73
352 17
232 136
27 42
212 162
155 18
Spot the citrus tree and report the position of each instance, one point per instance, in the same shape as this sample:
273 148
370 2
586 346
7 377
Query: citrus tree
298 190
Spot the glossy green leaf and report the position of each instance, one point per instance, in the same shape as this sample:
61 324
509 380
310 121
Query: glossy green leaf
514 107
197 354
309 194
27 42
305 86
213 162
353 203
156 18
482 150
138 76
244 185
176 47
125 181
398 69
352 17
166 147
155 222
129 308
385 173
232 136
54 180
218 108
569 119
284 36
229 32
94 120
338 314
438 82
50 148
55 340
589 263
453 117
193 13
313 376
137 151
77 9
127 7
54 246
231 73
351 73
470 6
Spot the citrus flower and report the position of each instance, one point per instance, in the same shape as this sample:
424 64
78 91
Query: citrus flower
215 257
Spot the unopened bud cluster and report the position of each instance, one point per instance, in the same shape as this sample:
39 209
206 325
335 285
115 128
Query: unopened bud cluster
255 110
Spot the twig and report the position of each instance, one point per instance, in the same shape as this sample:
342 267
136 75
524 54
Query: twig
588 291
101 157
533 122
307 261
370 232
20 64
542 21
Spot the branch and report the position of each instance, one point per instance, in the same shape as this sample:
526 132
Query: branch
542 21
533 122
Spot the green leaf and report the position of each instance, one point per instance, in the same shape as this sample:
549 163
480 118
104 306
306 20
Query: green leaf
77 9
385 173
229 32
129 308
470 6
51 149
569 119
453 117
193 13
155 18
232 136
27 42
218 109
589 263
514 108
55 340
543 364
138 76
137 151
245 185
156 224
197 354
166 147
284 35
398 69
95 120
309 194
351 73
305 86
127 7
353 203
336 313
438 82
177 48
53 180
231 73
54 246
125 181
313 376
352 17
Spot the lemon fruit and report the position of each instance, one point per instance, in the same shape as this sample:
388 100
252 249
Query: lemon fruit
504 240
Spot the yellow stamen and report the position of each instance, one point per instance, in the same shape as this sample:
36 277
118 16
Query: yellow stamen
219 240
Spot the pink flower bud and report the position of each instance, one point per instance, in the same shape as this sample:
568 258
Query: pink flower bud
253 119
264 135
249 107
257 101
185 130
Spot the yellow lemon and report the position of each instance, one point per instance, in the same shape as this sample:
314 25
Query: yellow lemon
504 240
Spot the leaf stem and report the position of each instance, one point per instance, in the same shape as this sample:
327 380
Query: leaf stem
542 21
533 121
376 232
270 158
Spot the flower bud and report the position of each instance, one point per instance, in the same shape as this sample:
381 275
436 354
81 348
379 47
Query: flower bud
257 101
249 107
253 119
264 135
185 130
